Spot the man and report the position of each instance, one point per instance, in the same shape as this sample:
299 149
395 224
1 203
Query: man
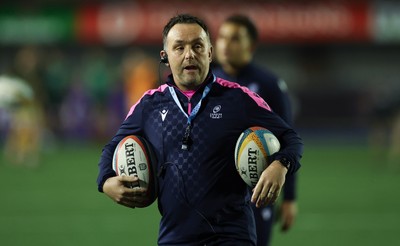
24 120
235 47
201 198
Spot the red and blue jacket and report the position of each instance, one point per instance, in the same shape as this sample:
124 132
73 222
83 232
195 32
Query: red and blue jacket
201 195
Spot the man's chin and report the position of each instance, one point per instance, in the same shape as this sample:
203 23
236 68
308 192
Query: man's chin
192 83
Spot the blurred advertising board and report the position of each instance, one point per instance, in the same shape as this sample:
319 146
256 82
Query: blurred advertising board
141 22
36 25
385 24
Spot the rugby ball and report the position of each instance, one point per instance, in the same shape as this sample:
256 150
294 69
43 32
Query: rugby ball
134 156
252 151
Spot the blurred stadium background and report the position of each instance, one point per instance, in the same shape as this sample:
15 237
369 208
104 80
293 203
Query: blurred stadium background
87 62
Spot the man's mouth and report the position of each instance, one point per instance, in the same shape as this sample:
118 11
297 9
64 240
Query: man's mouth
190 67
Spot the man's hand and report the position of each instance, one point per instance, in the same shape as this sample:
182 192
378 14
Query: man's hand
288 214
270 184
116 188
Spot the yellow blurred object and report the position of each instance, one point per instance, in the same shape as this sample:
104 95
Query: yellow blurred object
140 75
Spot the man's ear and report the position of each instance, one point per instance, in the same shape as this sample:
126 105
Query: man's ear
164 57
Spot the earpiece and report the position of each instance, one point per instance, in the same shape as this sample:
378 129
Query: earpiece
164 59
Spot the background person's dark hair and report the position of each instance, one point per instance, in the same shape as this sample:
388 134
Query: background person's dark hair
184 19
247 23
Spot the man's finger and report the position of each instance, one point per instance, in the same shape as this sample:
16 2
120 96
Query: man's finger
273 194
128 178
132 192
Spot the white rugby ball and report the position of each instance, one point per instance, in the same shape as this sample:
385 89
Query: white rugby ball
134 156
252 151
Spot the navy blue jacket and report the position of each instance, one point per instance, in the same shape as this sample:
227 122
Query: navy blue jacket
274 91
201 195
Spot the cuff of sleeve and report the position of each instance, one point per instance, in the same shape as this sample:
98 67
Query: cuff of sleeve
103 180
290 164
289 189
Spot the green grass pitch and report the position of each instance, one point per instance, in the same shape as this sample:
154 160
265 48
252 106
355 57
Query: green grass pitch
346 197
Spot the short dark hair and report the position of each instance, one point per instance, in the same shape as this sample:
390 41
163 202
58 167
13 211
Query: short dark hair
247 23
183 19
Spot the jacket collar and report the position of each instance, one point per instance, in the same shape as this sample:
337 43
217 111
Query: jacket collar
209 79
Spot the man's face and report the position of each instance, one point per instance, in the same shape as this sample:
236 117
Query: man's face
233 45
189 55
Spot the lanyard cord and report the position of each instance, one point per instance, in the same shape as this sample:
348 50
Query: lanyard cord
193 114
160 173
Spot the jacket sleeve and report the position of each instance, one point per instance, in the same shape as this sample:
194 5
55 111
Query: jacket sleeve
130 126
278 99
259 114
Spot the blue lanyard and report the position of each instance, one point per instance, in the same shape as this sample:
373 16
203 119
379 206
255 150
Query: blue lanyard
193 114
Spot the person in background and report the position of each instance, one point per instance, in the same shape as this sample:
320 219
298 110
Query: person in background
235 46
384 135
23 140
201 197
139 73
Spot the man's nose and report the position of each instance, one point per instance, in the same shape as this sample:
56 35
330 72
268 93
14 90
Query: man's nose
189 54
